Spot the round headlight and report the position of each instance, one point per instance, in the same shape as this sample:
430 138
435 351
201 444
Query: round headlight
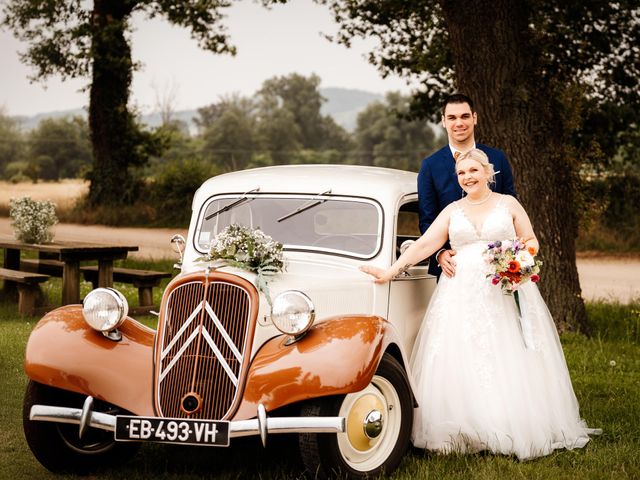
292 312
104 309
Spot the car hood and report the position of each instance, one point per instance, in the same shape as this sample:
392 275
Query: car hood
335 287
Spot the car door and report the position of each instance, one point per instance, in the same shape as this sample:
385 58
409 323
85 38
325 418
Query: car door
409 294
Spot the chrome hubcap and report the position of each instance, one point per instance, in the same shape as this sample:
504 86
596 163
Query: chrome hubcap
373 424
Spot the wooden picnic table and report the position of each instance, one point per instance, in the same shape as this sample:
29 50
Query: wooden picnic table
71 254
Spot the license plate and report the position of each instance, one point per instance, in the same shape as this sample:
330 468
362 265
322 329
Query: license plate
172 430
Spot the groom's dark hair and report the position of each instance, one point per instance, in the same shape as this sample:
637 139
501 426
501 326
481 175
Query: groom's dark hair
457 98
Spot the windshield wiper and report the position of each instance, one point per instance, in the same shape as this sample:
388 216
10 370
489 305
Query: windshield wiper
312 203
243 199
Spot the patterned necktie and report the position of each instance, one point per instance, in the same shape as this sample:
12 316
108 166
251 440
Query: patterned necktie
456 154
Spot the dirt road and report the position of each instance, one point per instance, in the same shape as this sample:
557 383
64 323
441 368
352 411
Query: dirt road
601 277
154 242
610 278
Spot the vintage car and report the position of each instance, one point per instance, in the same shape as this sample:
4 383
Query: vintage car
325 355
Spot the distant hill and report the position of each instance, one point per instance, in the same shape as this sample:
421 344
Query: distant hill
341 103
29 123
344 105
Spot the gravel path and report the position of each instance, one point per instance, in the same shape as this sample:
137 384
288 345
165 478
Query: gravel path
154 243
609 278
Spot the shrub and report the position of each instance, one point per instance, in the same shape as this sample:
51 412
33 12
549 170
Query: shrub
624 202
19 178
140 214
611 218
172 191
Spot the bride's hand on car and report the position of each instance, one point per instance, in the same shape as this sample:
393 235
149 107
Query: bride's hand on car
378 274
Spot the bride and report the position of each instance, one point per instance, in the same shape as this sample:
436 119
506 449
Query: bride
479 385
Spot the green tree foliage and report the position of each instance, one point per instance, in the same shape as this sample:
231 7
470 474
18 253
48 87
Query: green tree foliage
292 104
299 96
627 157
592 43
282 124
11 141
83 39
279 135
60 148
173 189
538 70
178 145
229 137
386 137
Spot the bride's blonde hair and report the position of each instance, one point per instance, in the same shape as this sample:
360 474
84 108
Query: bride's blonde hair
480 157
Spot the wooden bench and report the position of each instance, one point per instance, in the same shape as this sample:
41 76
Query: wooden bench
53 268
143 280
29 292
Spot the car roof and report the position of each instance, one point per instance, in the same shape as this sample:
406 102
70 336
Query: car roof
353 180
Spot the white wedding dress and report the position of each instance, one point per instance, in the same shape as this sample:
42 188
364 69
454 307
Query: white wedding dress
479 386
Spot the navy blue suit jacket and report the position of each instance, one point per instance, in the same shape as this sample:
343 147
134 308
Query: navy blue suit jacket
438 185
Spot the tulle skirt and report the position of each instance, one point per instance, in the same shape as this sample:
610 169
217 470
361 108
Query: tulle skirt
485 380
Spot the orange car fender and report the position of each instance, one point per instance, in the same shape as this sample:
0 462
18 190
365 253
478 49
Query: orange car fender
64 352
337 356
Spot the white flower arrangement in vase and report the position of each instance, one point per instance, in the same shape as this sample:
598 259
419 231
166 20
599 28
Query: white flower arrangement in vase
32 219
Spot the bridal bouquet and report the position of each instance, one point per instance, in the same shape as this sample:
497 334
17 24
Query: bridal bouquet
247 249
510 264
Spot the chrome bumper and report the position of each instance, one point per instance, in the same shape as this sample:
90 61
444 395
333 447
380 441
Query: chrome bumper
262 425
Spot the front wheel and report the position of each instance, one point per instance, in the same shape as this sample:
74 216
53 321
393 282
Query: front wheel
378 427
57 446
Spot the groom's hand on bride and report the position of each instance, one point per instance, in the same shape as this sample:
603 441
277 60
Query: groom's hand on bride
447 262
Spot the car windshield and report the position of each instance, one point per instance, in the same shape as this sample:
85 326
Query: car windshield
344 225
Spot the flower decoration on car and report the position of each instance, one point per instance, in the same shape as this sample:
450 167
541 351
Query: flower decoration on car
510 264
248 249
32 219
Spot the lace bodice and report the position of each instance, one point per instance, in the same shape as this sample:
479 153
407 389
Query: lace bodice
498 225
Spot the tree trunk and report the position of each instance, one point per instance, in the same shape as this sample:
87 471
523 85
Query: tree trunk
497 65
114 135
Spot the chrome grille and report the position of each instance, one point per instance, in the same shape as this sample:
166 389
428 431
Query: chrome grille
205 336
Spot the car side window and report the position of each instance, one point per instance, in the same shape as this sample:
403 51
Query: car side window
408 227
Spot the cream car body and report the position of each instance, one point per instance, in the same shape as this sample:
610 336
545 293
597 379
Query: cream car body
217 367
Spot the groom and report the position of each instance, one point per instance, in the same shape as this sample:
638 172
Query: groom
437 180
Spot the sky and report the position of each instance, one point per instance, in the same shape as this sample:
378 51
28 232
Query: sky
286 39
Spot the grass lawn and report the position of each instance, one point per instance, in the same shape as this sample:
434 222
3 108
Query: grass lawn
606 376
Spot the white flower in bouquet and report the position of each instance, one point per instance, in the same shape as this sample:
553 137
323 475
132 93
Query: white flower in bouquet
525 258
